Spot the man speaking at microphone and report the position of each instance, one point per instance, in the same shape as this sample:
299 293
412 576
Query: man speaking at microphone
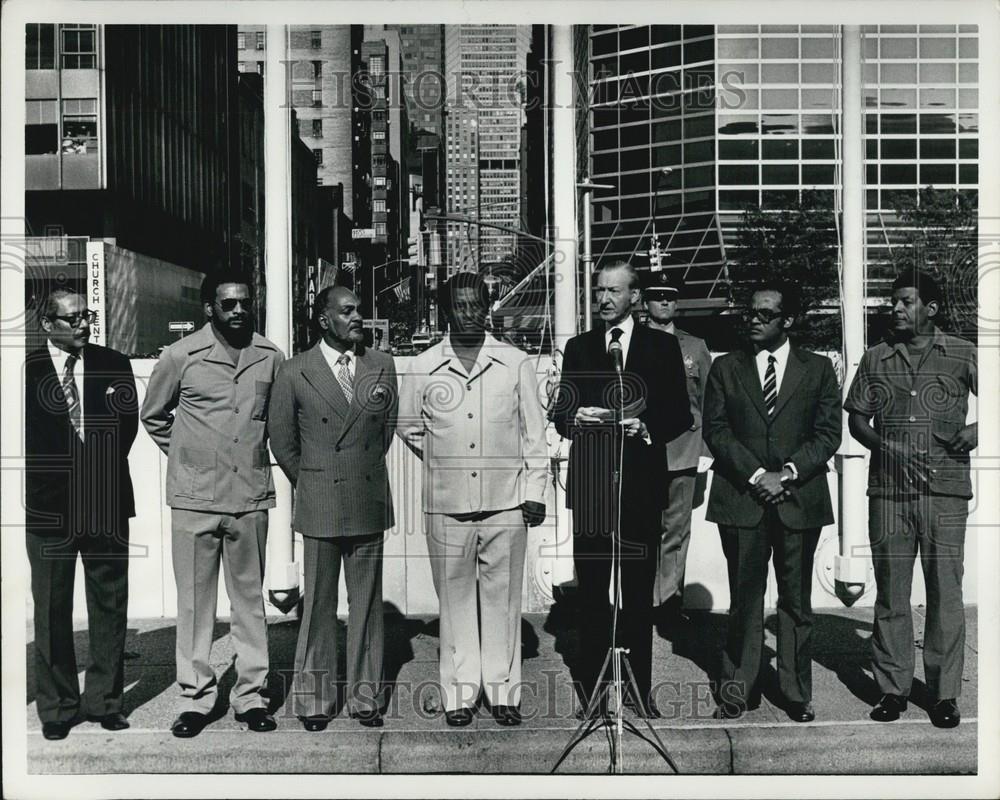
656 409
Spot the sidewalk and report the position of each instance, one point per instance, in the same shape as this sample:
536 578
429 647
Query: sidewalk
842 740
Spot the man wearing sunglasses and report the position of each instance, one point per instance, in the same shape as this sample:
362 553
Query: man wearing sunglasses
206 408
80 421
772 421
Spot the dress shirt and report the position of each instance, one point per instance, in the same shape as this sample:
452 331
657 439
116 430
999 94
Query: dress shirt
332 355
59 357
626 326
780 362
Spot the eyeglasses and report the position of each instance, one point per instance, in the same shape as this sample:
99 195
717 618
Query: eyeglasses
765 315
73 320
230 303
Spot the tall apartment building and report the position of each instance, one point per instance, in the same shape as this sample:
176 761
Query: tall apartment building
749 115
423 75
485 67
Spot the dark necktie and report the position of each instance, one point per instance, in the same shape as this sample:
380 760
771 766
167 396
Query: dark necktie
71 395
344 376
770 386
616 334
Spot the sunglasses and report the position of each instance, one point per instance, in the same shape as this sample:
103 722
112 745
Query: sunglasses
230 303
73 320
765 315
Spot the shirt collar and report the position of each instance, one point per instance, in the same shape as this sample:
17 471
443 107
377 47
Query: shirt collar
332 355
59 356
626 326
896 347
780 355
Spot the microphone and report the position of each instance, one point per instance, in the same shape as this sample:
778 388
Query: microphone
615 350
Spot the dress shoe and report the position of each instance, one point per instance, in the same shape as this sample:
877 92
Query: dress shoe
889 708
369 719
800 712
649 712
508 716
458 718
110 722
57 730
257 720
315 723
945 714
189 724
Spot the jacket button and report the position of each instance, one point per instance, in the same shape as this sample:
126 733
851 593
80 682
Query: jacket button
913 419
913 393
236 411
472 446
337 448
470 415
236 380
473 474
236 439
236 469
324 420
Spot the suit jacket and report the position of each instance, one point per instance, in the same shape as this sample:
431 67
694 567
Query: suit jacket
69 481
654 378
684 451
332 452
805 430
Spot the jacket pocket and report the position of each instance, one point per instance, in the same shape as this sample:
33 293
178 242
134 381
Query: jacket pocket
196 476
262 397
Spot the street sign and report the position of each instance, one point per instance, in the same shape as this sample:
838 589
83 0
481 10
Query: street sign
180 327
363 233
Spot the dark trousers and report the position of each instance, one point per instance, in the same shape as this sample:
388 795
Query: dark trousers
747 552
898 528
314 689
53 569
592 557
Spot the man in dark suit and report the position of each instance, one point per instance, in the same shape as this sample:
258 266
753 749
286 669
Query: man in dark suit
772 421
656 410
81 418
333 414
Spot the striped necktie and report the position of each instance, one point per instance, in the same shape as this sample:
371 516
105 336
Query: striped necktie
344 376
770 386
71 395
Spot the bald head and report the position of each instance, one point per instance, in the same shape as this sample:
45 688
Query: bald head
338 314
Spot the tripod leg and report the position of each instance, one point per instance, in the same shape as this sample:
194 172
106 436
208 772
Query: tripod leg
658 744
590 722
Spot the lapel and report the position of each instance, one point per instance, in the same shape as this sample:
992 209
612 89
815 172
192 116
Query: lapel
365 379
636 347
746 372
794 371
599 353
319 375
47 386
250 355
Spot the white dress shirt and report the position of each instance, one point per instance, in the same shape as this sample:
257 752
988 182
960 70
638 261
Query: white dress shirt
59 357
780 362
626 326
332 355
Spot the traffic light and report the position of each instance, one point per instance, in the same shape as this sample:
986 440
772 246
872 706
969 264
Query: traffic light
414 252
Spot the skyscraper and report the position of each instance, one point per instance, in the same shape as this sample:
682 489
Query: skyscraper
484 66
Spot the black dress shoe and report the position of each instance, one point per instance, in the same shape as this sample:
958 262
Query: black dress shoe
945 714
889 708
315 723
189 724
508 716
110 722
368 719
458 718
57 730
257 720
800 712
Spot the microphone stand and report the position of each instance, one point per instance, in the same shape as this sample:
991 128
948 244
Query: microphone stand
616 656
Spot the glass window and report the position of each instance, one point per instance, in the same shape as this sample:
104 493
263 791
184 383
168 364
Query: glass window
665 33
818 48
699 176
378 206
899 123
79 127
779 48
316 39
735 74
698 101
818 148
937 73
379 181
637 113
780 124
934 174
820 123
871 148
738 149
895 149
378 136
317 97
734 124
666 57
634 135
241 41
636 183
632 38
899 98
968 148
968 173
736 99
813 174
634 159
779 73
699 201
937 123
899 173
317 127
697 31
699 51
695 127
41 130
786 173
893 197
820 98
669 156
898 48
604 164
968 48
937 47
739 174
635 62
79 47
819 73
779 199
779 98
380 229
968 123
605 117
871 174
937 98
737 200
318 155
605 140
604 67
260 40
699 151
871 203
738 48
778 149
40 46
968 98
968 73
899 73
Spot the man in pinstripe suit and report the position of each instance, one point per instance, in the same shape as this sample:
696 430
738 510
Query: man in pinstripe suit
333 411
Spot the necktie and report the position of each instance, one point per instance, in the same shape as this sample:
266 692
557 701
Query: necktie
770 386
71 395
616 334
344 376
